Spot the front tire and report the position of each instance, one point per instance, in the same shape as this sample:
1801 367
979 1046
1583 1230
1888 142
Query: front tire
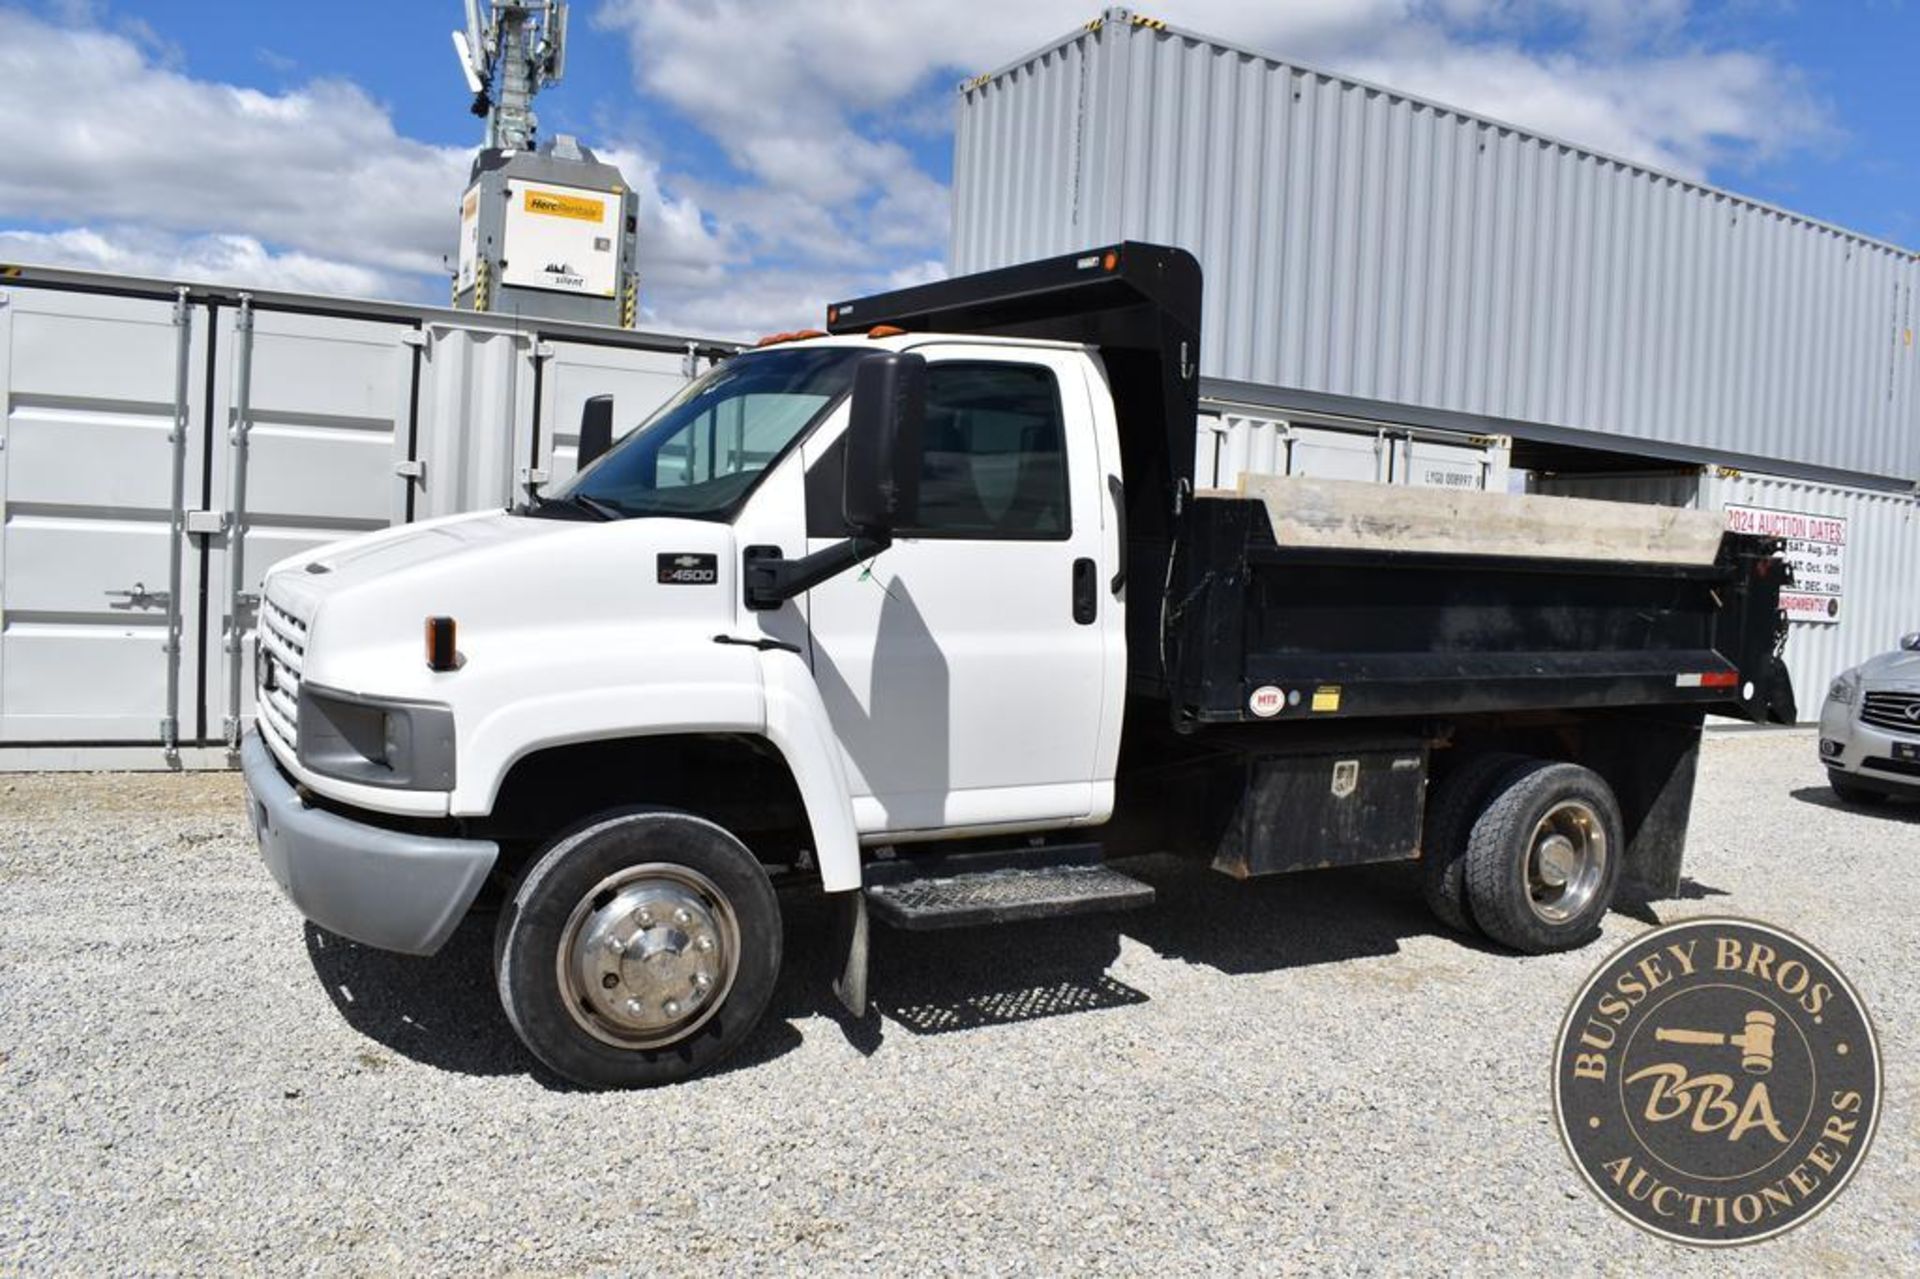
1543 858
639 949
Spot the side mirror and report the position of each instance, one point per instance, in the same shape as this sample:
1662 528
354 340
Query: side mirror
596 429
1911 642
884 429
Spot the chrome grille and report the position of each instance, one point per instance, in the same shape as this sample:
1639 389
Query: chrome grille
283 647
1895 712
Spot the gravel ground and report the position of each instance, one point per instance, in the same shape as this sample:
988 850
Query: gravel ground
1298 1075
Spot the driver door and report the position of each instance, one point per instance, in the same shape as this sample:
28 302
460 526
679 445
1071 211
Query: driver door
966 685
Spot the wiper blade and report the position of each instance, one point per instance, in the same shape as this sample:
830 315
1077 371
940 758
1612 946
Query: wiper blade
537 501
605 510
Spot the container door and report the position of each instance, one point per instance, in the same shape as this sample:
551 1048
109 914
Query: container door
1430 464
1336 455
89 385
639 381
327 402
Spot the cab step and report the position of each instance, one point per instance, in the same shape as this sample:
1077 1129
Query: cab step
968 889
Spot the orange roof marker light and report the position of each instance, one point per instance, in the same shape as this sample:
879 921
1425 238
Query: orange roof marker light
1110 261
886 331
798 335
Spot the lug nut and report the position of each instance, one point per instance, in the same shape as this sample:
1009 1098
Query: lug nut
705 942
701 981
682 917
636 1009
616 946
644 918
673 1008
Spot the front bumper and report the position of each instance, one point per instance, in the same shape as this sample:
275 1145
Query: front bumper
1851 747
372 885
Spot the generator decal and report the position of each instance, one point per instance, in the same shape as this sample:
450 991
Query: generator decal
563 239
1717 1081
688 568
1814 545
554 205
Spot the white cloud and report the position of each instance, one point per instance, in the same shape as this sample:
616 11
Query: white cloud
211 259
148 168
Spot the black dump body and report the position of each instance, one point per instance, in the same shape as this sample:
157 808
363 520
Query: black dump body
1219 610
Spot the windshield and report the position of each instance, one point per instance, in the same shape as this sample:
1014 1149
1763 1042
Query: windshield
704 449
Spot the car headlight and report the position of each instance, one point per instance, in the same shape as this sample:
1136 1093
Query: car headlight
376 741
1842 691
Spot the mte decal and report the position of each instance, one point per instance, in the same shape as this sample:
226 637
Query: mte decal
688 568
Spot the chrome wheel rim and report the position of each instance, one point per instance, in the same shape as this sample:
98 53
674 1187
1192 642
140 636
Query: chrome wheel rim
1566 861
648 955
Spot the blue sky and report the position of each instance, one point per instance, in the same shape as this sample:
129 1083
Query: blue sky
786 154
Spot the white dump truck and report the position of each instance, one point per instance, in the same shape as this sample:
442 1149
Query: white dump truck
926 612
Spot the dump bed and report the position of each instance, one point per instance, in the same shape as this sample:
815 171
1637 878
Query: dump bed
1321 600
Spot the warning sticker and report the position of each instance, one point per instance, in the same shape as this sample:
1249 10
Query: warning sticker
1326 697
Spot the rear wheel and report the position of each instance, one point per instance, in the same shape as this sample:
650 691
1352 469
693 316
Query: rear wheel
1851 792
1457 800
639 949
1543 857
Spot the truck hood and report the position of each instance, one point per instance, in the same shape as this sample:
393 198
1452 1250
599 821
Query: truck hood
299 584
514 585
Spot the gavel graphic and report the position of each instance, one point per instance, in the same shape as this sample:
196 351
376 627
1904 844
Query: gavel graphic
1755 1043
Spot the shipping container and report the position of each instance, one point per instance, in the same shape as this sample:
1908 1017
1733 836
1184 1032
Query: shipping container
161 445
1370 248
1855 552
1234 440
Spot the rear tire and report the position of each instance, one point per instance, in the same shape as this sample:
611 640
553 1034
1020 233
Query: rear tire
1543 857
639 948
1851 792
1457 800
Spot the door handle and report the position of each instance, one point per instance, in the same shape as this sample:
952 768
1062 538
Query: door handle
1086 579
1119 491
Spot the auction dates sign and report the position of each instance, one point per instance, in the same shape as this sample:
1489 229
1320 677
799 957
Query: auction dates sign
1815 545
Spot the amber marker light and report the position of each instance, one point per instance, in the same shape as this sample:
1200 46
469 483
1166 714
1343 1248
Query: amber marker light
441 654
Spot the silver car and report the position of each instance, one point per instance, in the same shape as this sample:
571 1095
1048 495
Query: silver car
1870 727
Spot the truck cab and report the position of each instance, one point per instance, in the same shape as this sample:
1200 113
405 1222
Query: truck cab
854 609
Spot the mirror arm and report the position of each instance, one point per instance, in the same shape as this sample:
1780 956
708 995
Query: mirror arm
772 581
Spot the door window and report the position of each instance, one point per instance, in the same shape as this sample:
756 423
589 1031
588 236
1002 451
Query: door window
994 463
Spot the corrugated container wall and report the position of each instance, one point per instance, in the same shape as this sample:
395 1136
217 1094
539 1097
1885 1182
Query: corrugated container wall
1880 587
1361 243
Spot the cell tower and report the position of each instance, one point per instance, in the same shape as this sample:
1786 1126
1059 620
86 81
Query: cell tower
545 229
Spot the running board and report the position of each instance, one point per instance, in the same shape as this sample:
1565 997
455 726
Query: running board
970 889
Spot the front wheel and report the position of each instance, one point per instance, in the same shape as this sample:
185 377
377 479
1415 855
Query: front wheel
639 949
1543 857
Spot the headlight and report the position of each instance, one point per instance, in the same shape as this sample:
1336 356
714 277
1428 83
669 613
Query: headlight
1843 689
375 741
